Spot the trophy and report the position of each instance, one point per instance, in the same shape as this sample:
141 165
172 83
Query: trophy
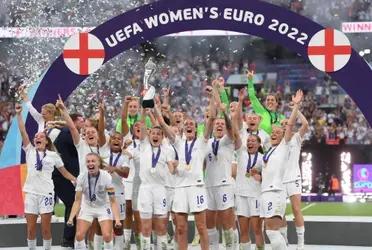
21 91
149 90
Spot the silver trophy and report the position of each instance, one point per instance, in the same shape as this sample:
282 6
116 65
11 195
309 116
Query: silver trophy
149 90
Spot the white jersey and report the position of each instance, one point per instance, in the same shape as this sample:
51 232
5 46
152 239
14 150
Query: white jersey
83 149
37 117
265 137
218 162
190 174
273 171
95 193
292 171
117 160
40 181
131 149
170 180
246 185
153 174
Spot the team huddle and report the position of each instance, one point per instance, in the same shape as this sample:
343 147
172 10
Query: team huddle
233 173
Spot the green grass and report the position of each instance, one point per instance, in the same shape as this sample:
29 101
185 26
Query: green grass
319 209
59 210
335 209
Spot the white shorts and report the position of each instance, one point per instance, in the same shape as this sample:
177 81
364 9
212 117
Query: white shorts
293 187
152 200
89 213
190 199
120 199
170 197
273 203
128 187
247 206
39 204
135 201
220 197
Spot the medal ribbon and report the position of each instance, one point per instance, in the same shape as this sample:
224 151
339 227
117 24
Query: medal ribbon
189 151
215 145
267 155
115 162
155 158
92 197
250 164
39 162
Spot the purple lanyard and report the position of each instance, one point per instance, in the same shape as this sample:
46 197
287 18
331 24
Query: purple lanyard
175 151
39 162
115 162
189 151
250 164
155 158
267 155
92 195
215 145
91 150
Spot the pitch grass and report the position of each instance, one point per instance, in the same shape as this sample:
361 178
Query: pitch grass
335 209
318 209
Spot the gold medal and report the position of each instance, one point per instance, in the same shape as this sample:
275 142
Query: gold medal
188 167
247 175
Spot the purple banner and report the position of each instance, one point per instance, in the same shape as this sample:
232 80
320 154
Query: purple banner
362 178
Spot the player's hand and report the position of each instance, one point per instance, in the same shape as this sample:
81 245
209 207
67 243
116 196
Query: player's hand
221 82
118 224
127 99
101 106
18 108
242 94
250 75
70 223
296 99
110 169
59 103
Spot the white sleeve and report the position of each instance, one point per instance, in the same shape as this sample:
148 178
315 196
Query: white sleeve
108 182
226 140
35 114
57 160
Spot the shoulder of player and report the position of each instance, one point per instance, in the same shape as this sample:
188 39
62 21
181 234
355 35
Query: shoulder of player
104 174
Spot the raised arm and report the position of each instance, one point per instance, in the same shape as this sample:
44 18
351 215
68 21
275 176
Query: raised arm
292 119
222 92
21 125
34 113
239 110
167 130
211 117
256 104
70 124
304 124
235 130
124 116
143 124
101 124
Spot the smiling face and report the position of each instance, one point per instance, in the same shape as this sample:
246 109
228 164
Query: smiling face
48 112
133 107
116 141
91 136
93 162
156 136
178 118
233 106
276 135
137 130
219 128
284 123
253 143
271 103
253 121
189 129
40 141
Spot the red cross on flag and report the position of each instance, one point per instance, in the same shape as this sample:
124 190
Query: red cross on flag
329 50
83 53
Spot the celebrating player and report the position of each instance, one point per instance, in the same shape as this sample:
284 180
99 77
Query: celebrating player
268 113
94 199
273 194
39 189
219 182
292 181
